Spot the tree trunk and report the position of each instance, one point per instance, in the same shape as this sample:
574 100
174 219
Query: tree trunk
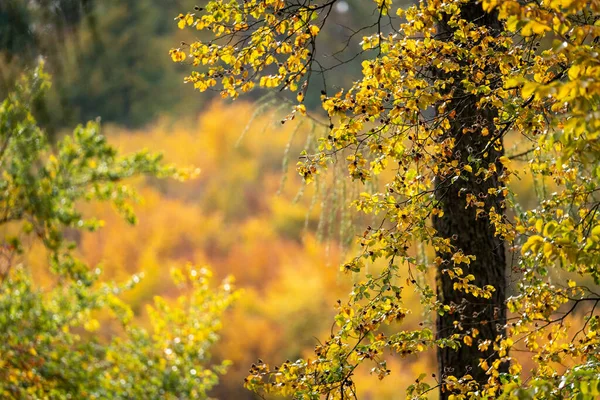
473 235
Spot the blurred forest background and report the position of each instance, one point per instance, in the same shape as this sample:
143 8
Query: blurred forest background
247 215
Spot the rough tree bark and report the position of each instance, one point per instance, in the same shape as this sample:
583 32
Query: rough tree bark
474 236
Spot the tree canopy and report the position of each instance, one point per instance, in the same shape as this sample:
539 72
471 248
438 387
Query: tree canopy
445 87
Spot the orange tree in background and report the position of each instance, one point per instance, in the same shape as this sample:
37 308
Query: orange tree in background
48 344
442 84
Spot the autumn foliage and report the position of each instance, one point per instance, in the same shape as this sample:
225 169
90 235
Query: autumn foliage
430 230
443 85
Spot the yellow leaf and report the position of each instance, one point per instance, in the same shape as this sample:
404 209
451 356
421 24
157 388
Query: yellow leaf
534 28
181 23
489 5
539 225
533 244
574 72
505 161
515 369
185 20
548 250
528 89
177 55
514 82
550 228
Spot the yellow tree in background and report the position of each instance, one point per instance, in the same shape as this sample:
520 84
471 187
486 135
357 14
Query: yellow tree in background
443 84
260 230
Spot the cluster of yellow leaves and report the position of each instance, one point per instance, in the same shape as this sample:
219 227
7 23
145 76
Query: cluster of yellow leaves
247 46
